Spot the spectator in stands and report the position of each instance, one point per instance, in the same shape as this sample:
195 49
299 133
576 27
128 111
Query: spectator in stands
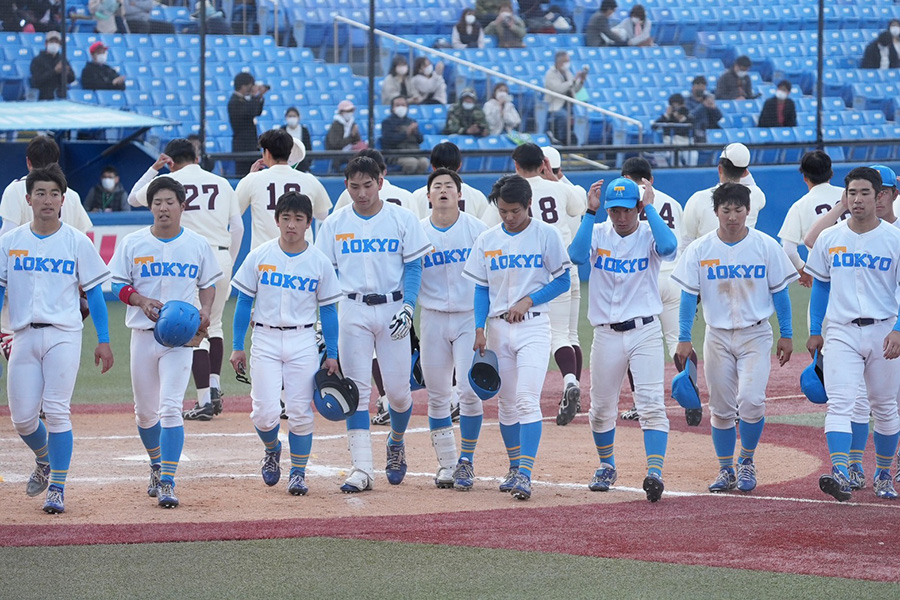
880 53
108 195
735 84
292 126
705 115
508 28
635 30
399 132
500 112
679 121
894 29
97 75
598 31
487 10
245 105
215 19
560 79
39 15
465 117
205 162
428 85
698 93
398 81
105 13
47 68
779 111
137 17
343 134
467 33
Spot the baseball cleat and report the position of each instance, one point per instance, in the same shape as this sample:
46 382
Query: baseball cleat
381 416
884 485
693 416
746 475
444 478
396 463
297 484
521 487
836 485
271 468
725 481
603 478
153 486
165 497
653 487
215 395
199 413
53 505
509 480
463 475
568 406
857 476
630 415
357 481
39 479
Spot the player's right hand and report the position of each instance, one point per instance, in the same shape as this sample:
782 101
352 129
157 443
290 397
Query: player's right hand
683 351
330 364
257 166
103 353
594 201
892 345
815 343
649 194
238 360
806 279
163 161
151 308
480 342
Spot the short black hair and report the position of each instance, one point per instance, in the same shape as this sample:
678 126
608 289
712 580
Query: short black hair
446 155
867 173
242 79
294 202
528 156
743 61
110 169
737 194
42 151
816 166
699 79
375 155
513 189
676 99
638 168
400 97
278 142
165 183
784 83
51 172
362 165
291 109
731 171
442 171
181 150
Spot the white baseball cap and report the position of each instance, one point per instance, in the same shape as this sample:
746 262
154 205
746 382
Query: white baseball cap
298 152
738 154
552 154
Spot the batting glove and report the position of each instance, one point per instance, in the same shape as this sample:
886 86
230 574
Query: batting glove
402 322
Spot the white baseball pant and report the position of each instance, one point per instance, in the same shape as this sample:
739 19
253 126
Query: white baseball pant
560 317
445 342
670 294
223 291
159 377
523 352
574 308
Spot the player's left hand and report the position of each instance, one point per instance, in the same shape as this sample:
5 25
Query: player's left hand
480 342
783 350
402 322
104 354
516 313
649 194
594 197
259 165
806 279
814 344
892 345
547 172
331 364
238 361
150 307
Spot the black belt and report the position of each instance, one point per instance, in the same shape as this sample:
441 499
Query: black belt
223 248
291 328
859 322
40 325
373 299
629 325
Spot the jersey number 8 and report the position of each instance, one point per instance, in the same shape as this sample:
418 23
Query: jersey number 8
549 214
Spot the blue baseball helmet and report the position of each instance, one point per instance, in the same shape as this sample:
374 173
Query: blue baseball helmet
335 397
684 387
178 322
812 381
484 375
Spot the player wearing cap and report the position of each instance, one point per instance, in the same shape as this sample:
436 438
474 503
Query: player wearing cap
471 201
150 267
284 345
699 217
448 328
742 275
210 209
97 75
262 187
518 267
625 257
376 248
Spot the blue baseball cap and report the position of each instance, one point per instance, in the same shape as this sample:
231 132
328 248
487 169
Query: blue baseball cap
888 177
622 192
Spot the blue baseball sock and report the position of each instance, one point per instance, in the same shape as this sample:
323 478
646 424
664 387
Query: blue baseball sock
270 438
358 420
60 447
530 436
655 443
750 434
510 435
839 449
858 441
724 441
605 443
150 439
434 424
399 423
37 441
469 430
885 449
301 445
171 441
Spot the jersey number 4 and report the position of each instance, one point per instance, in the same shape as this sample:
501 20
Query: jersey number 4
273 199
191 193
665 211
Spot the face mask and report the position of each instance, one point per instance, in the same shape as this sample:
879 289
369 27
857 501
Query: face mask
468 105
502 96
108 183
635 20
101 59
347 116
895 31
248 97
428 70
781 94
293 121
402 70
505 14
401 111
743 74
53 48
565 66
470 19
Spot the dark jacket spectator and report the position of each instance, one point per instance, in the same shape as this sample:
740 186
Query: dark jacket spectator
705 115
47 67
399 132
108 195
598 31
678 115
779 111
465 117
698 93
880 54
343 134
245 105
97 75
39 15
735 84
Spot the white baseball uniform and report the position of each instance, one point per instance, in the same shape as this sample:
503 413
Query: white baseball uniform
803 213
261 190
699 218
288 291
736 283
471 201
14 208
162 270
42 275
389 193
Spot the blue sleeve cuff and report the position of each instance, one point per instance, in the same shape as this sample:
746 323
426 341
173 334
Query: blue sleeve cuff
482 305
552 290
782 303
241 322
117 288
412 279
328 314
687 311
666 242
818 304
99 314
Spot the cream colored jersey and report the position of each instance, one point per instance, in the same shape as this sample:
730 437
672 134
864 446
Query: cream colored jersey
170 270
443 286
736 282
42 275
554 203
514 266
672 214
288 289
261 190
210 203
15 209
699 218
369 253
471 201
389 193
807 210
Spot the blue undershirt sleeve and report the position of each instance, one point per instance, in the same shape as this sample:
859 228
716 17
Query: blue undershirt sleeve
686 313
328 314
2 296
117 288
782 303
580 248
552 289
482 305
666 242
241 320
99 314
412 279
818 303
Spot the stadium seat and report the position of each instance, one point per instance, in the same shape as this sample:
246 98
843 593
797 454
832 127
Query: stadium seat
497 163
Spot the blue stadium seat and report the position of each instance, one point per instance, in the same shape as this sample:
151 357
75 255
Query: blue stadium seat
763 135
86 96
111 98
497 163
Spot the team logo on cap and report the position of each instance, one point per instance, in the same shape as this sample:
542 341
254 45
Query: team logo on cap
619 190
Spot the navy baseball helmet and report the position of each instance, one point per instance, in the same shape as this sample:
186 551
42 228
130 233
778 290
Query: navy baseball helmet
684 387
812 381
416 377
484 375
335 397
178 322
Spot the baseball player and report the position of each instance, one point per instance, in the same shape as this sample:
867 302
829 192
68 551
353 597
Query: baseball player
262 187
289 279
376 248
44 263
855 270
150 267
447 325
389 192
554 204
446 155
742 275
210 209
518 267
625 256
